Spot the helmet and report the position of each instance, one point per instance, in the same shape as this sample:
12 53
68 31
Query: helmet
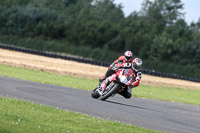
137 64
128 55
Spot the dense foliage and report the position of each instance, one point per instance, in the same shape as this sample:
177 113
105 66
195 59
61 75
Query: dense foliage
98 29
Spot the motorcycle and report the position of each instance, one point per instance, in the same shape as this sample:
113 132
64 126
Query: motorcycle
116 86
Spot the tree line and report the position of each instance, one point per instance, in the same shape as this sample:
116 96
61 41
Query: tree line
98 29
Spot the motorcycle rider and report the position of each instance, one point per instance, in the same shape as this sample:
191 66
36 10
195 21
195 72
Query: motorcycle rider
133 75
123 61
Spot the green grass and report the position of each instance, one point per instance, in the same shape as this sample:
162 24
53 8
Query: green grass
17 116
168 94
45 77
153 92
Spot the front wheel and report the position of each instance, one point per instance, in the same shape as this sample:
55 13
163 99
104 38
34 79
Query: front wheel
110 92
95 93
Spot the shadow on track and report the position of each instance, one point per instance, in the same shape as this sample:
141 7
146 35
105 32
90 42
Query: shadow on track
133 106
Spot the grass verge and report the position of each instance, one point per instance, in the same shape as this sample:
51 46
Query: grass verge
17 116
153 92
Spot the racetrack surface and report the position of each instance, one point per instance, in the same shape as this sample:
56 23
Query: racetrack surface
151 114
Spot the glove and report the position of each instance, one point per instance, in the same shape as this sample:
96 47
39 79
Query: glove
117 66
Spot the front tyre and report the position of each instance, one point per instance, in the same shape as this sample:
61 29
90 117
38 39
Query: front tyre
109 93
95 93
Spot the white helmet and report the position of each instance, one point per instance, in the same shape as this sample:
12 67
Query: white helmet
128 55
137 64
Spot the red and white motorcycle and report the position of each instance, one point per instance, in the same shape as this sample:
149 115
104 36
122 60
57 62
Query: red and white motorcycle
122 80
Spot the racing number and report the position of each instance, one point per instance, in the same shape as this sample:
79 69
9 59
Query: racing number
127 64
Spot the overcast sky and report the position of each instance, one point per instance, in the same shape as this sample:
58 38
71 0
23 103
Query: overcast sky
191 8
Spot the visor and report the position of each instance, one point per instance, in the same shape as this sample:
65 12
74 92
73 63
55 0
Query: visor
136 67
128 58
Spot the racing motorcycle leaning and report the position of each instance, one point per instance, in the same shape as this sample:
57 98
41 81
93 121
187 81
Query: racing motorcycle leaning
117 83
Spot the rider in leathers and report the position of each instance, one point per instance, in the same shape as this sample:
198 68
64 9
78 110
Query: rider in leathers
133 75
125 59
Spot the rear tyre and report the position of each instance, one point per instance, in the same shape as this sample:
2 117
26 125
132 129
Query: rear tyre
109 93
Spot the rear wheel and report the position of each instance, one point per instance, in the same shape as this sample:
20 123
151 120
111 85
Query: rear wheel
110 92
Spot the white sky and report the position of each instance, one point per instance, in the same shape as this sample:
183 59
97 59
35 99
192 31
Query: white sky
191 8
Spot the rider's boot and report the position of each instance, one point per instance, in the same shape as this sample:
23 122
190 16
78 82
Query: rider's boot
108 73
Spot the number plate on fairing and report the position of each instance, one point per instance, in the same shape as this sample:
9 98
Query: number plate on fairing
127 65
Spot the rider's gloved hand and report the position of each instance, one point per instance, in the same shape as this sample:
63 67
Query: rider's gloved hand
114 68
117 66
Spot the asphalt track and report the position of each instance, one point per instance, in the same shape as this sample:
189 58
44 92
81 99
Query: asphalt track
163 116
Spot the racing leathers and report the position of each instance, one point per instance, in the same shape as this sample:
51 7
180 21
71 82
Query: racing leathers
132 76
122 62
